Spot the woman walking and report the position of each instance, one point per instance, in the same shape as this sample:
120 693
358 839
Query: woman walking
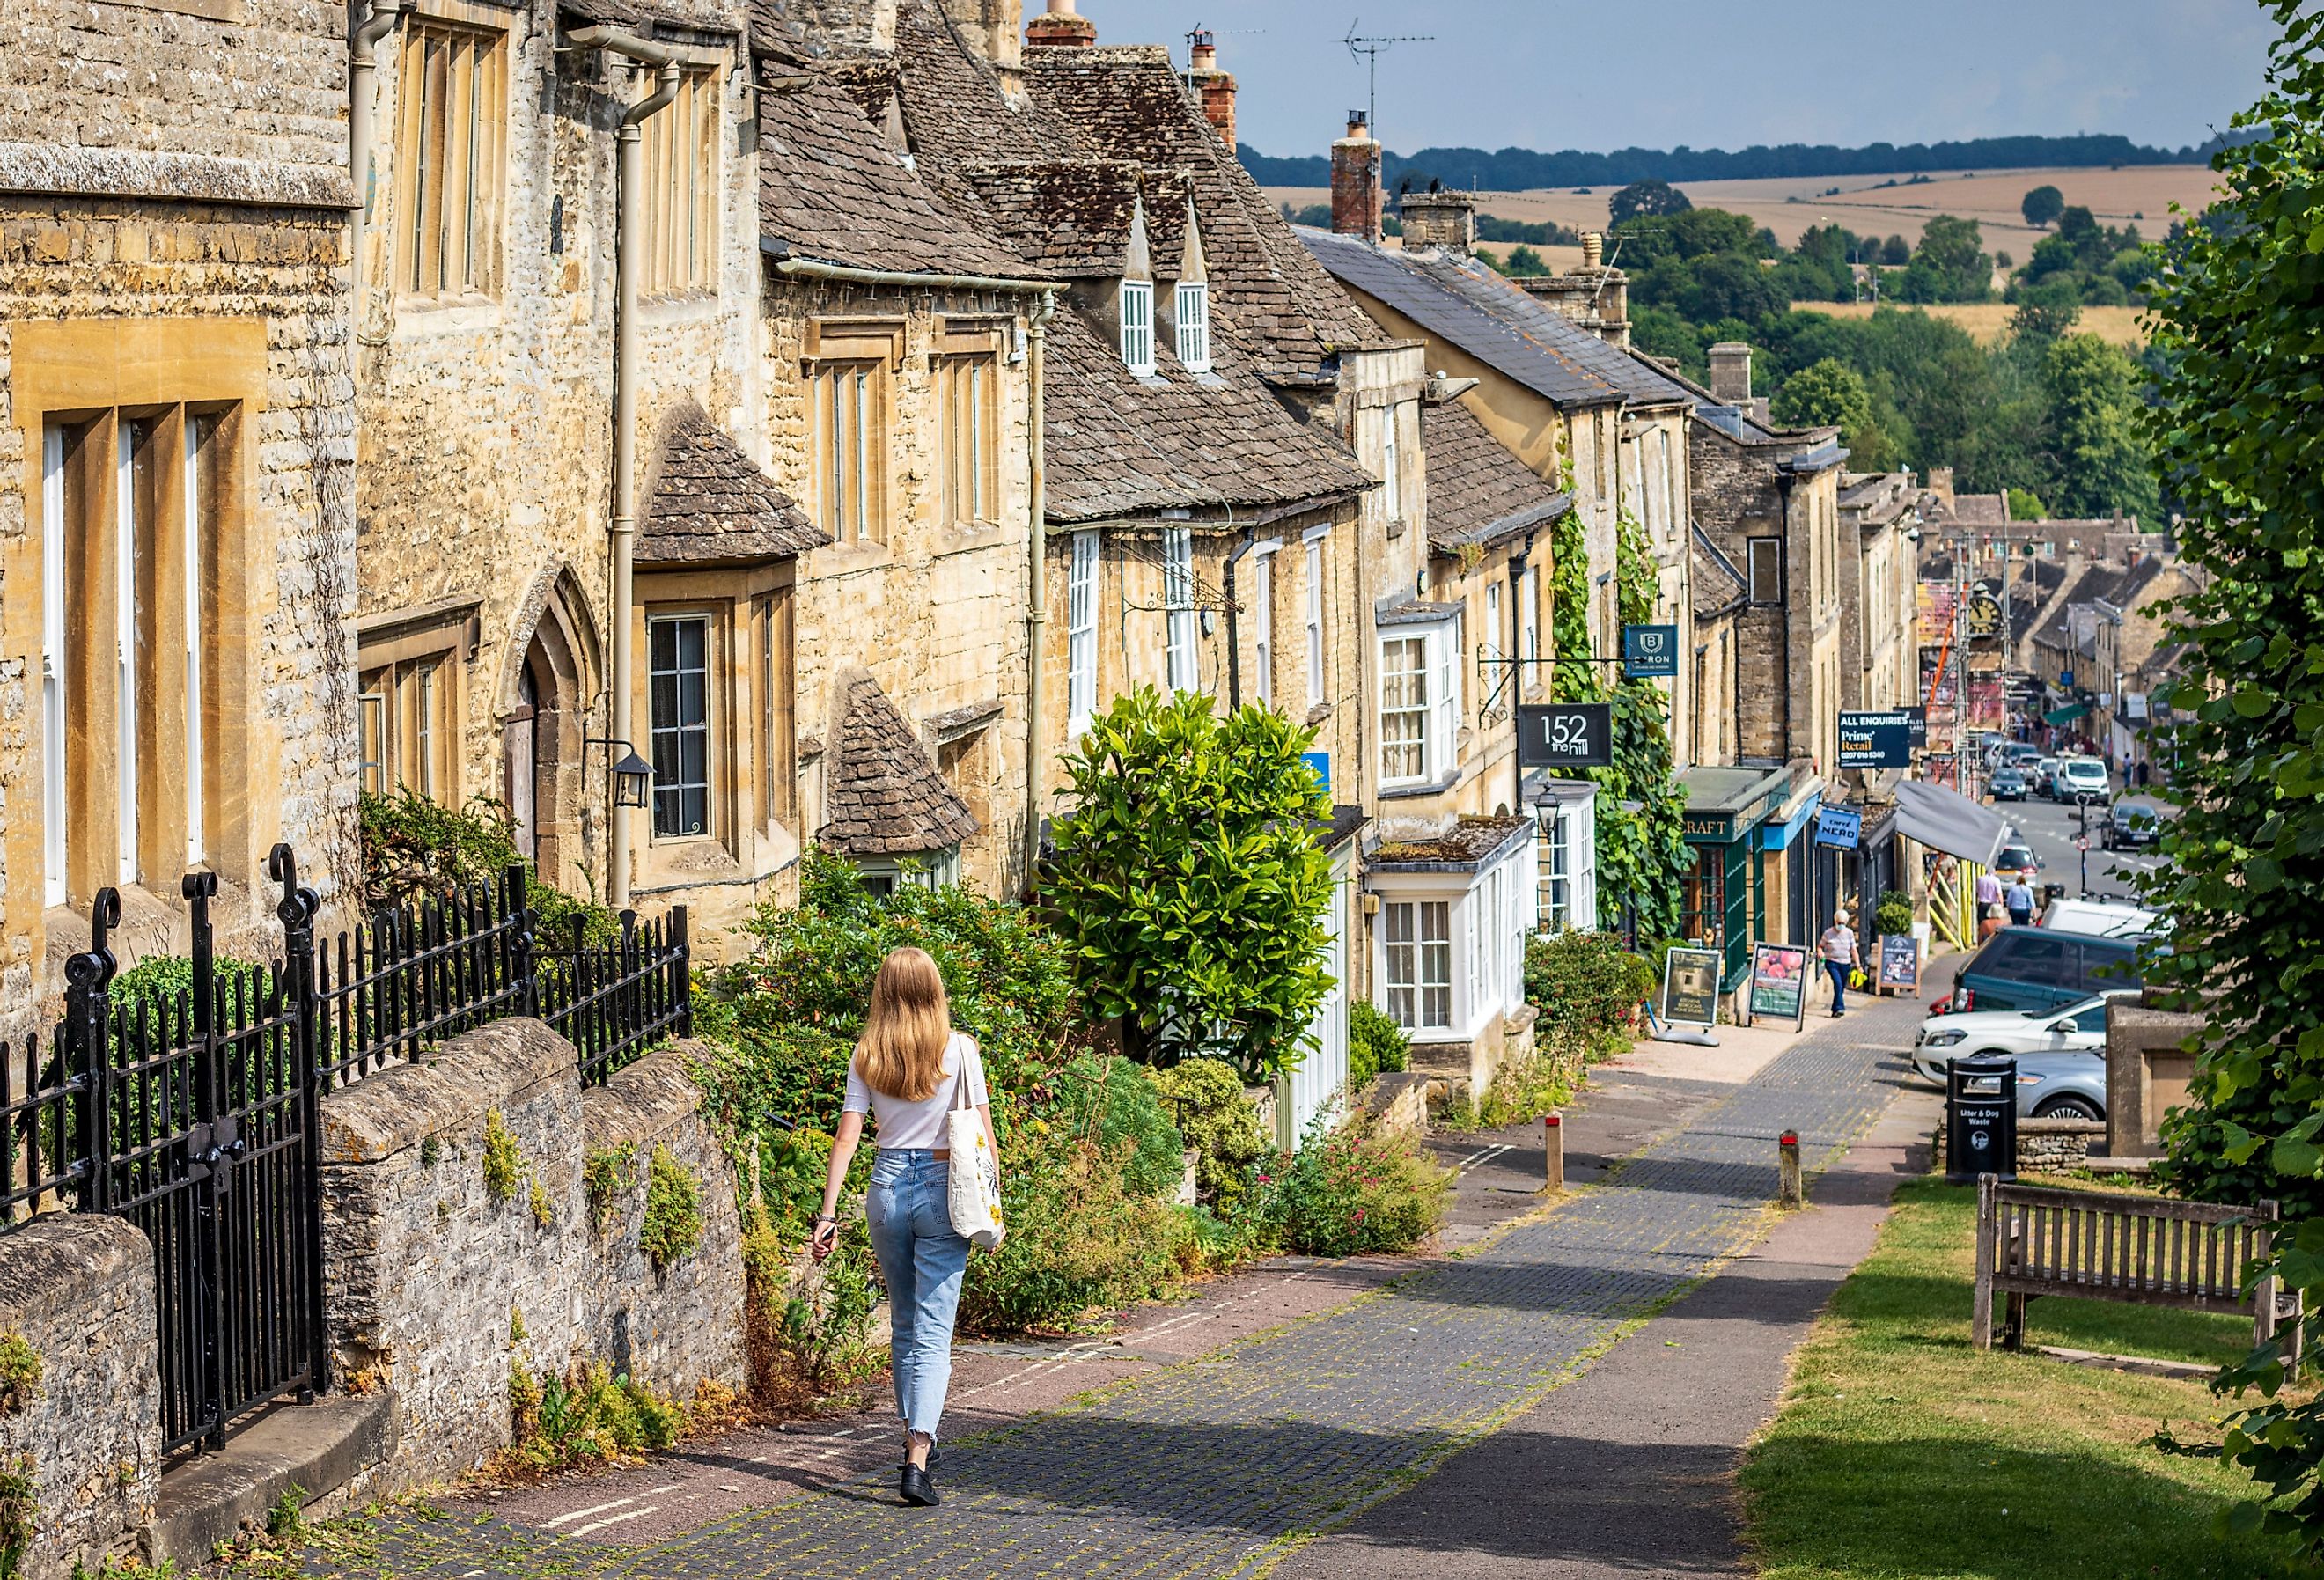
911 1069
1841 956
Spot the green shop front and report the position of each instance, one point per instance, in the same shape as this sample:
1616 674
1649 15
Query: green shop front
1724 900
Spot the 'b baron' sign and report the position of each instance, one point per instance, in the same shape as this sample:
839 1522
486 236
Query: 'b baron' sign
1566 734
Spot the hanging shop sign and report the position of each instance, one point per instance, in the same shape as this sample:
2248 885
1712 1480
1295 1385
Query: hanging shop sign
1650 652
1566 734
1840 827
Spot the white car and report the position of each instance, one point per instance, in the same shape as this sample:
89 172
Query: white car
2057 1028
2082 779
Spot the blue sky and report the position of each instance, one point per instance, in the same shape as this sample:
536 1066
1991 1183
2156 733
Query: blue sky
1552 74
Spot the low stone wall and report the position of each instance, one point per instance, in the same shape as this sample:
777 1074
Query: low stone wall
1399 1101
80 1291
457 1215
2056 1146
1469 1069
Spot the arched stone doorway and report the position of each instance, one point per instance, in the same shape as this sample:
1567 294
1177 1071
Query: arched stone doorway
548 697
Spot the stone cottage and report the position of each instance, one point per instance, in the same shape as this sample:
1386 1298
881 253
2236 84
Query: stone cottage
177 541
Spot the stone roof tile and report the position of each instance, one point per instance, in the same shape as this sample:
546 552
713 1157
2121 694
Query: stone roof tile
708 502
1478 491
884 796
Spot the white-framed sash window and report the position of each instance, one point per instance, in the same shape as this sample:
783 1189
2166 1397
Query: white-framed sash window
1081 633
1315 622
1184 673
1194 323
1137 303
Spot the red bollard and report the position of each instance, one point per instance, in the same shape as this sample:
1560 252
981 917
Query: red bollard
1553 1135
1787 1154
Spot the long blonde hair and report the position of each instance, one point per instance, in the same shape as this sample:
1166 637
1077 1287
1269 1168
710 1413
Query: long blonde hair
900 1054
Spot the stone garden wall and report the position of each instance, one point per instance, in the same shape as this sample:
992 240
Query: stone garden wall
458 1213
2058 1146
80 1442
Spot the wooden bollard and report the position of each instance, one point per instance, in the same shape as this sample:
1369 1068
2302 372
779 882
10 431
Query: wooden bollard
1553 1137
1787 1170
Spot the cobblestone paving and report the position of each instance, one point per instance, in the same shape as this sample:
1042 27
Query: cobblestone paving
1213 1468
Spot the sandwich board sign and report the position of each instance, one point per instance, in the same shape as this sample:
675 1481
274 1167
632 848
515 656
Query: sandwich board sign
1779 984
1691 987
1900 963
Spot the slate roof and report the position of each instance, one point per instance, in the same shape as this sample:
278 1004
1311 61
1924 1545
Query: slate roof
1478 491
1977 510
1074 215
708 503
1402 285
1718 586
883 796
641 16
1641 383
830 189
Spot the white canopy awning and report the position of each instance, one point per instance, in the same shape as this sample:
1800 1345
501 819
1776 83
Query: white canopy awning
1949 821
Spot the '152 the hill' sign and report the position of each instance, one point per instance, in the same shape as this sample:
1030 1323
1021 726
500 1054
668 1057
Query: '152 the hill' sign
1566 734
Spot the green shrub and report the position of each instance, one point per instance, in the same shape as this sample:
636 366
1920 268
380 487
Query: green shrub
1108 1099
1377 1045
1585 982
672 1225
20 1372
590 1416
1353 1189
1894 916
413 848
1218 1121
1078 1238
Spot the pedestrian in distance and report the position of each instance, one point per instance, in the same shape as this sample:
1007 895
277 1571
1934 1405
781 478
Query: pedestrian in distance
1841 956
2019 898
909 1071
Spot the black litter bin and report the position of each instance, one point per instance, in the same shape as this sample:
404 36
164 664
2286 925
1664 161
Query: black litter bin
1981 1119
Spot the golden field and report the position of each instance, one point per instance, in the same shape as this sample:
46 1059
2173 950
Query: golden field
1989 320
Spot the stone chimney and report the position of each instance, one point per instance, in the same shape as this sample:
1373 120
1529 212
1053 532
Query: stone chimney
1355 180
1441 219
1215 87
1059 26
994 29
1731 374
1594 296
1940 484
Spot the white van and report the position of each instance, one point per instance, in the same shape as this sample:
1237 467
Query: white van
2101 920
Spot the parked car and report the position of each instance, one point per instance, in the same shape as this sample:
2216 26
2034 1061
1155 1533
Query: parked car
2132 826
2083 780
2016 856
2008 785
2039 968
2099 919
2051 1029
2061 1086
2044 774
2019 754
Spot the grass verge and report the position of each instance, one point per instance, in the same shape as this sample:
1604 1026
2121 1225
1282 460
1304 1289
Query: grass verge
1903 1454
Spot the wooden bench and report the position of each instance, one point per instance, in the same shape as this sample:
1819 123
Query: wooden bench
2143 1249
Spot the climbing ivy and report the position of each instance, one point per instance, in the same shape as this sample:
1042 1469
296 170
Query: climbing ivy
1642 853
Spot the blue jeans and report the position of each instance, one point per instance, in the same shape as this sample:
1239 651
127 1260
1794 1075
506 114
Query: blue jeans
1839 969
910 1212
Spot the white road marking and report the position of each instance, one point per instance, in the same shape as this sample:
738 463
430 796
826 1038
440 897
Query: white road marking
616 1519
585 1513
1482 1155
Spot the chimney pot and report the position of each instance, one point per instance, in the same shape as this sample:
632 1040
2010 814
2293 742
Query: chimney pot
1355 181
1060 28
1593 249
1213 87
1731 372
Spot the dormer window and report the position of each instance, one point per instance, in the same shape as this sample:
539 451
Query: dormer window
1194 320
1137 326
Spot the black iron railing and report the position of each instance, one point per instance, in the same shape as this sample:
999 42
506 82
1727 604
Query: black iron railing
191 1112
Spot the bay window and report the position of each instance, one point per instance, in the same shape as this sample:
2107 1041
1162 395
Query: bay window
1420 701
678 692
1418 960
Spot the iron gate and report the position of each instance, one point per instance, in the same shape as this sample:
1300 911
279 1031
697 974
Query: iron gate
198 1109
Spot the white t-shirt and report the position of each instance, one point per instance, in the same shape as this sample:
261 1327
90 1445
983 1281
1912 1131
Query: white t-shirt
900 1124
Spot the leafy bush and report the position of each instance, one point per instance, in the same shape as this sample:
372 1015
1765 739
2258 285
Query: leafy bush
1188 883
1585 983
672 1225
1377 1045
1892 918
1205 1095
413 848
1353 1189
1078 1237
1107 1100
590 1416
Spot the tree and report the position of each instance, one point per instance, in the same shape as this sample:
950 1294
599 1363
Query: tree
2238 311
1523 262
2025 505
2099 449
1831 394
2043 205
1951 264
1188 883
1646 198
1895 252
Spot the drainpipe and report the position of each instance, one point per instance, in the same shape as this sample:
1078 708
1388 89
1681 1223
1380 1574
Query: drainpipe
362 69
1037 586
631 160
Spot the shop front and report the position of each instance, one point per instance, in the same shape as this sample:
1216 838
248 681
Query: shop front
1724 900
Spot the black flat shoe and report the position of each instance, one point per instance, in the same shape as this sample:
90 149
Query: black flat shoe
917 1489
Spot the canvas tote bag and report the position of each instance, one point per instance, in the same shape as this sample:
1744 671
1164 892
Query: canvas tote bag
975 1193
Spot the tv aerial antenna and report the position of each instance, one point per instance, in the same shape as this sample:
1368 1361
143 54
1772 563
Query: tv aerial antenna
1198 31
1368 49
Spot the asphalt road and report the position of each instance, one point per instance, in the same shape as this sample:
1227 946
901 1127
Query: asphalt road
2052 829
